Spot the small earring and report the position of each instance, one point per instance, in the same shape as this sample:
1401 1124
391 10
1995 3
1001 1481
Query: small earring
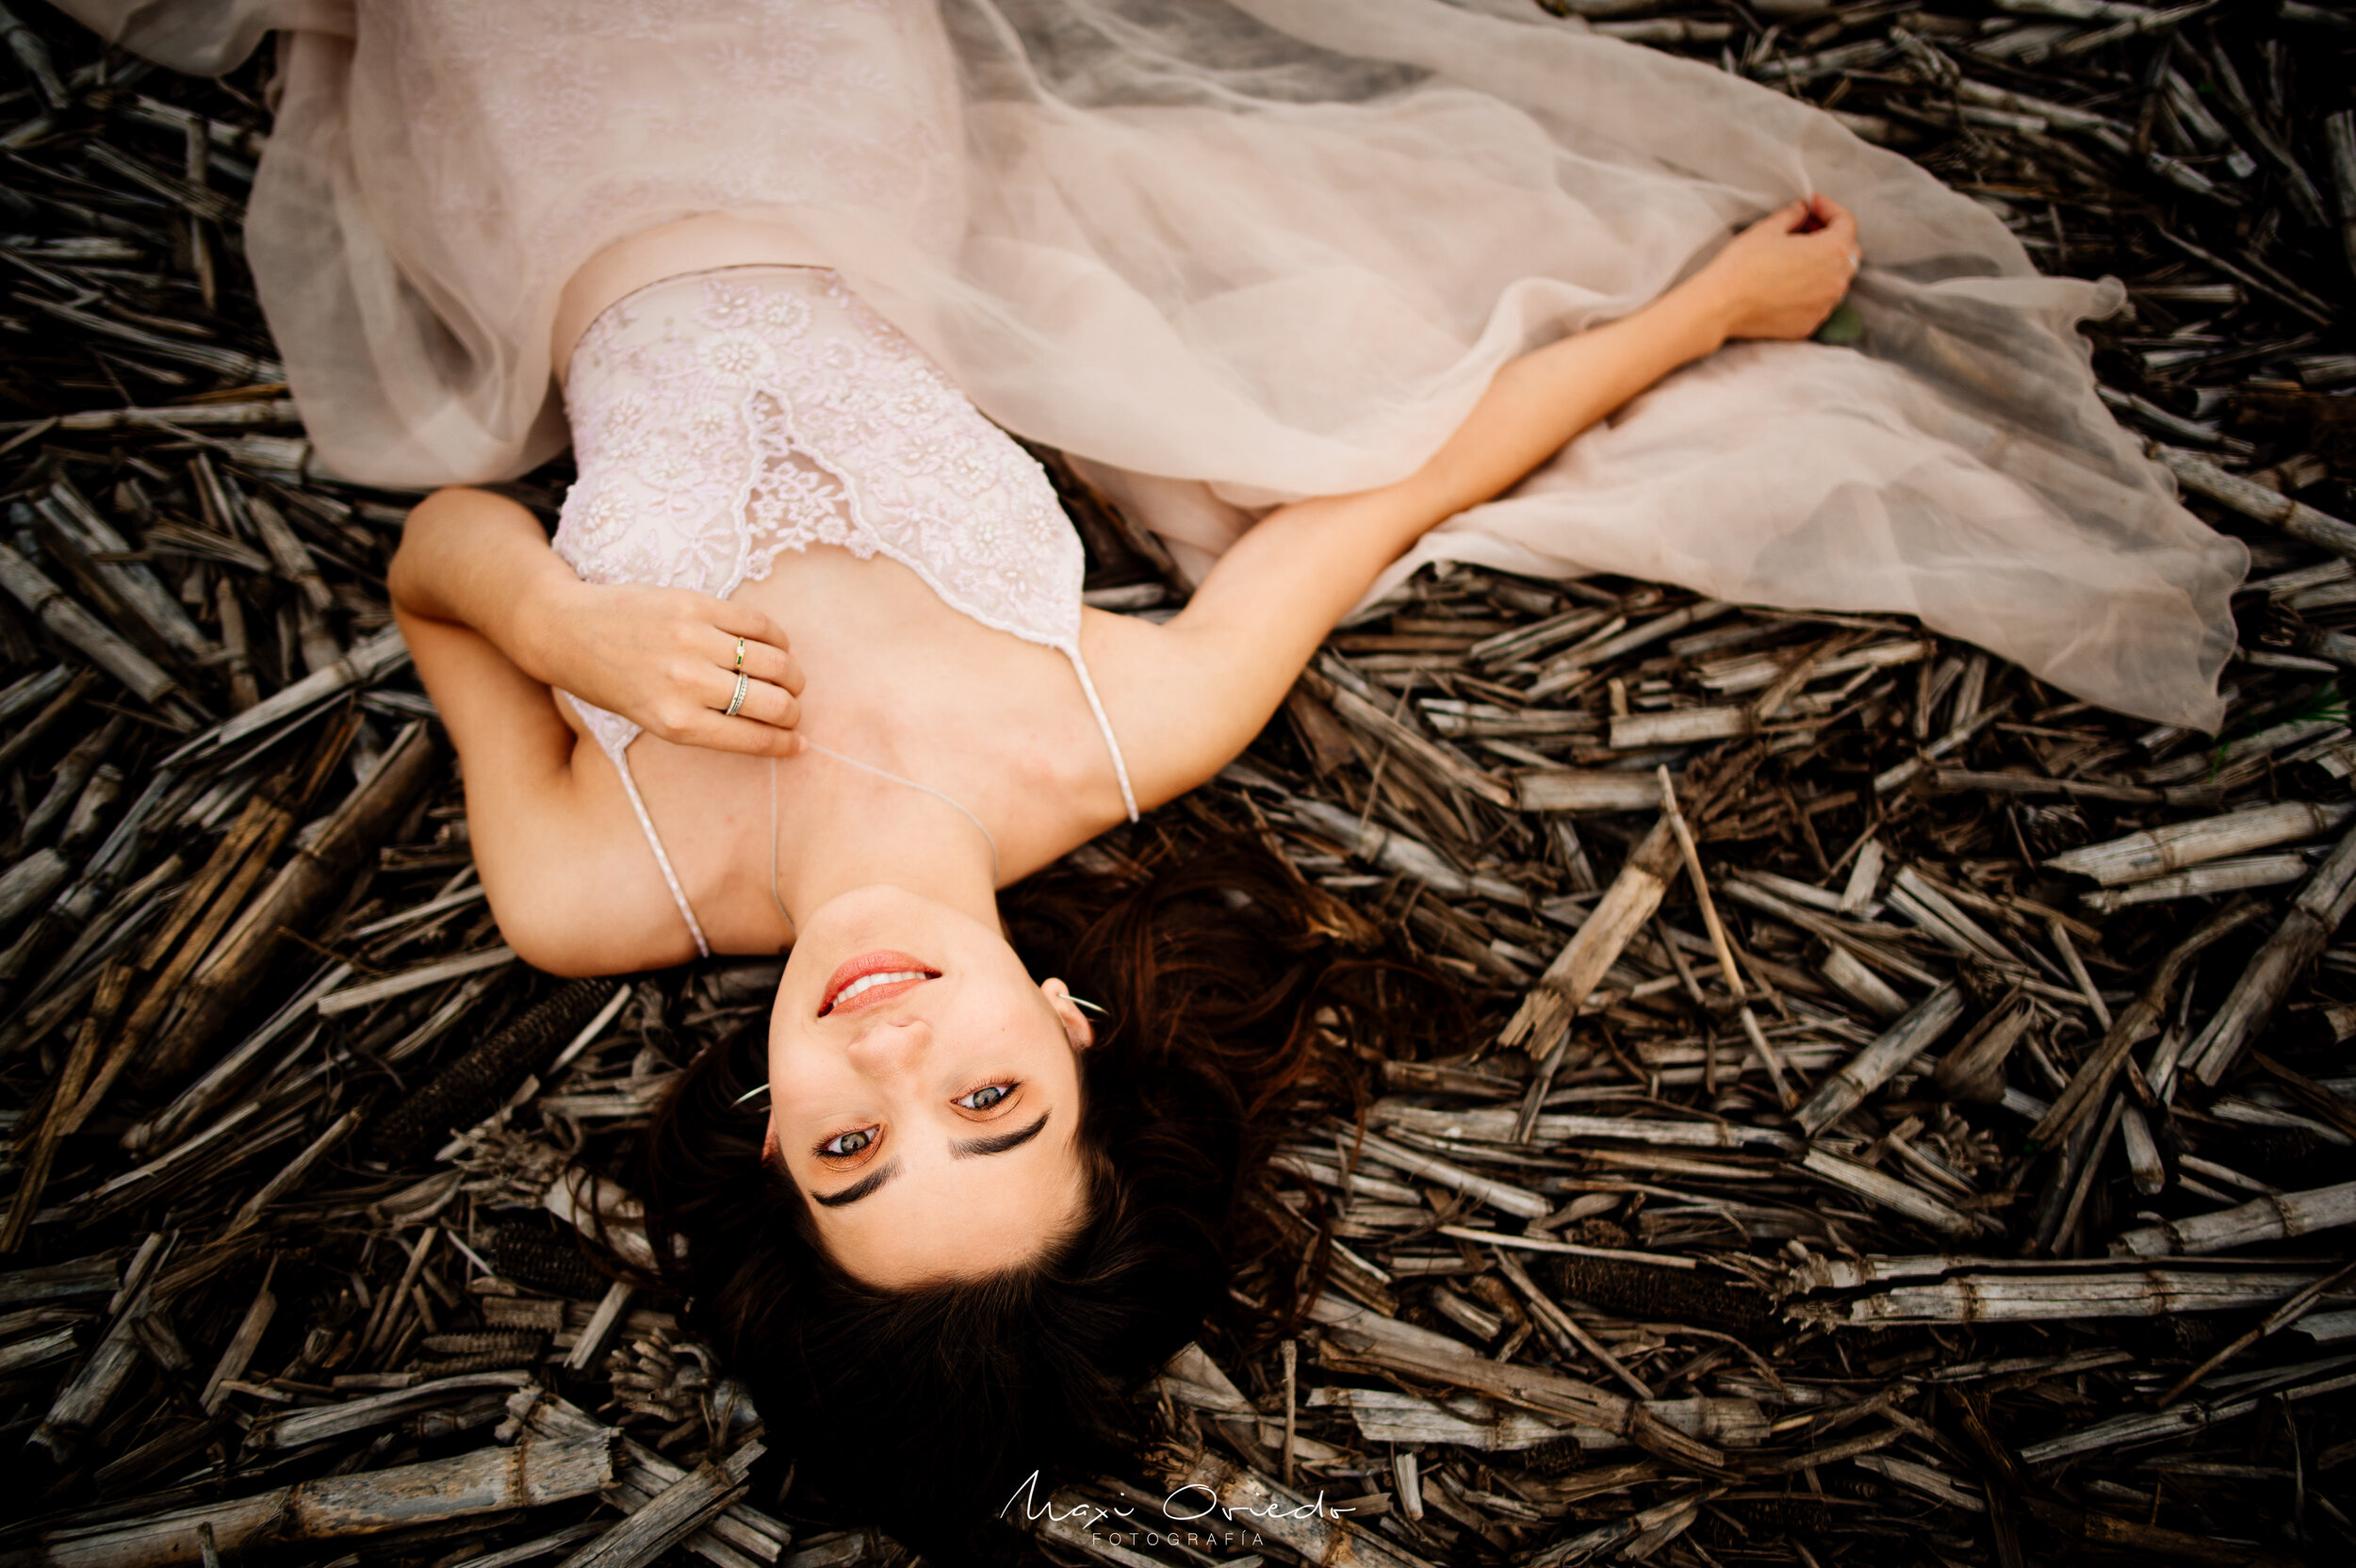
1087 1006
757 1088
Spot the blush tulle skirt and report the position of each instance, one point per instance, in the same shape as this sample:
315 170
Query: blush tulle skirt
1230 252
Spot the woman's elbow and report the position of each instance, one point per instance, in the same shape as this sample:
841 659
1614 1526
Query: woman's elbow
554 945
432 537
575 932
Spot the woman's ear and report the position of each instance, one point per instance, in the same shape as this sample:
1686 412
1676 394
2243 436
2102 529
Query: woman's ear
771 1157
1076 1027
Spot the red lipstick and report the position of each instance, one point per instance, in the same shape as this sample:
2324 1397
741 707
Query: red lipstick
883 961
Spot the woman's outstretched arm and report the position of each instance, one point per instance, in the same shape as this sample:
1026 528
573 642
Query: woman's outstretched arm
1210 678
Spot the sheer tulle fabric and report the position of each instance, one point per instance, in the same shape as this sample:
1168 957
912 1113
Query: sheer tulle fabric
1228 254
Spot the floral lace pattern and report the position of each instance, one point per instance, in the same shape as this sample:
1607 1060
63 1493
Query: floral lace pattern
722 418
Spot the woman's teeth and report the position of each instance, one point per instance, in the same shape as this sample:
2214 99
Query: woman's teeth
869 982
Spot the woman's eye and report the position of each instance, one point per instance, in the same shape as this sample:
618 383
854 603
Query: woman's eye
983 1098
843 1144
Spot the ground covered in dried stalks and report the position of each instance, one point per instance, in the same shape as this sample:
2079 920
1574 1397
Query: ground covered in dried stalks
1928 1140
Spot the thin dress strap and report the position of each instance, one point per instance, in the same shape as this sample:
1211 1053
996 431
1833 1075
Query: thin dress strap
1120 766
654 841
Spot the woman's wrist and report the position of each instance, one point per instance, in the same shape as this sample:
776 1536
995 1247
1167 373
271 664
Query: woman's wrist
536 625
1701 314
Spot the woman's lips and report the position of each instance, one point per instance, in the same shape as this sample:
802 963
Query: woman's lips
906 972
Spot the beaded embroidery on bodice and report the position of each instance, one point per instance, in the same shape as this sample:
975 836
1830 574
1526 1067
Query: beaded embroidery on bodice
720 418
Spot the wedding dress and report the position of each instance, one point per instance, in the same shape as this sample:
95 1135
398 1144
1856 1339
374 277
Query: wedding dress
1229 251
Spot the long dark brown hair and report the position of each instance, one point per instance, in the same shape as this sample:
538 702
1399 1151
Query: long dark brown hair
1239 997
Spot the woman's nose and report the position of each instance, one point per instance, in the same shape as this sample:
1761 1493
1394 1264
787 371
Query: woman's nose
891 1046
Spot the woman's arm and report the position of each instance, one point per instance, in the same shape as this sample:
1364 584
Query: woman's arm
574 891
664 658
1213 676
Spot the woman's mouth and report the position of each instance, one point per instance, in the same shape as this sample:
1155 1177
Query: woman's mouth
871 979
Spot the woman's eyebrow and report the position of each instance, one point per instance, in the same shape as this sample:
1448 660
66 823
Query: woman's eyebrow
998 1144
857 1189
961 1149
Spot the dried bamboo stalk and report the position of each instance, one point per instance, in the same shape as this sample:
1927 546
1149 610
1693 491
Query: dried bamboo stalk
1388 731
2273 1217
1395 851
57 706
292 1174
738 1531
367 663
2313 914
2339 139
1584 790
238 1352
1890 1193
1841 968
679 1511
68 1105
2142 1426
2148 854
77 626
1498 1195
300 1428
1632 900
1385 1416
1873 1067
1680 726
1562 1326
2217 876
1567 669
2295 518
2140 1020
1975 1069
2083 1294
1496 1125
533 1473
220 986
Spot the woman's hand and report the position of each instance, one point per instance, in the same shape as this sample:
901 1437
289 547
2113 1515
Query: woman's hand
666 660
1783 275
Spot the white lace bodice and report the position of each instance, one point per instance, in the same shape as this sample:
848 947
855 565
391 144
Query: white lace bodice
720 418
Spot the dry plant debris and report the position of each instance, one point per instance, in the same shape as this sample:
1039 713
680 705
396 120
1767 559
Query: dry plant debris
1912 1112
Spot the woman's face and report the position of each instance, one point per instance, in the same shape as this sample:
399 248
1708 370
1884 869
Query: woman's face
925 1092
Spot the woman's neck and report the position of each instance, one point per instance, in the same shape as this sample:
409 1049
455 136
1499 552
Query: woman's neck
853 828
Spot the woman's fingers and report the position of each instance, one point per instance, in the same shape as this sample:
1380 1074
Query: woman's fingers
739 620
748 736
772 705
763 724
762 661
763 702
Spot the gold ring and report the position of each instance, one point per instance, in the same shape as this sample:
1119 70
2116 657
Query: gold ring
738 666
738 700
